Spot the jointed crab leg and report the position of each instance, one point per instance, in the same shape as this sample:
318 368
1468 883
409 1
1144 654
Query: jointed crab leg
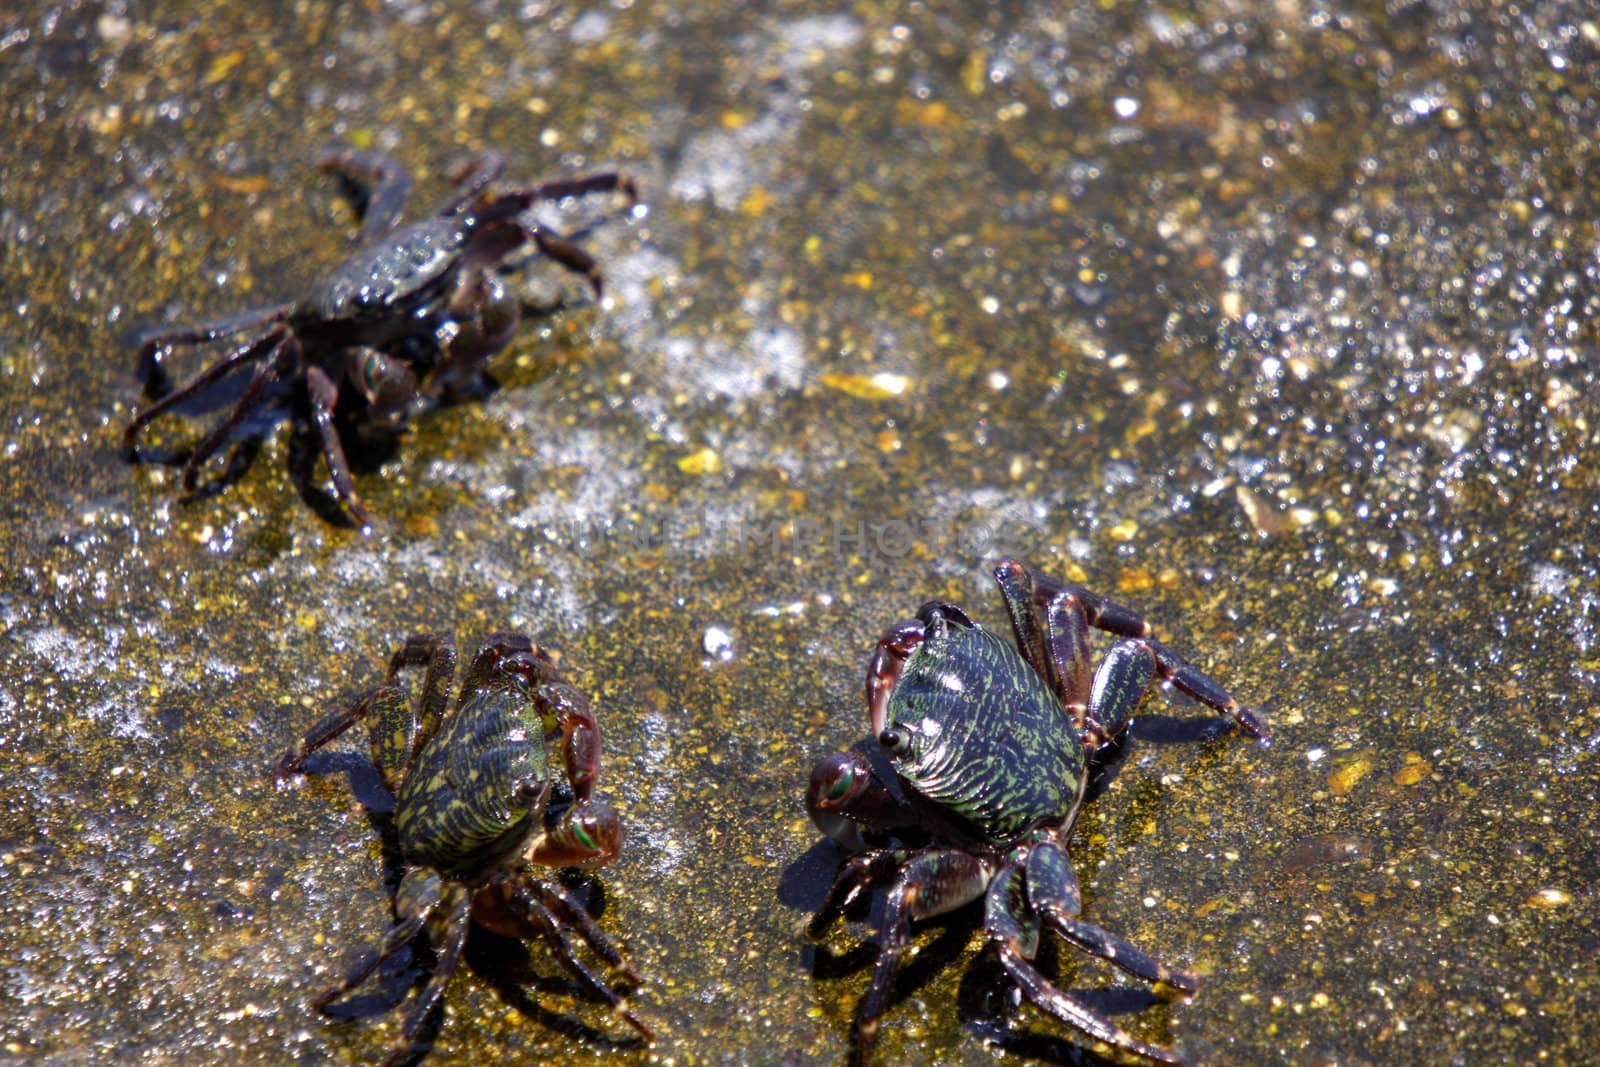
1188 678
1059 650
472 178
265 345
861 873
1119 686
379 186
456 904
571 912
384 697
266 373
1068 1008
535 901
931 882
323 394
414 903
514 202
1102 612
927 882
1053 890
404 728
435 653
1012 925
154 377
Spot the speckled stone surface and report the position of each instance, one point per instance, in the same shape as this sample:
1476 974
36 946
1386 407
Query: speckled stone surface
1276 321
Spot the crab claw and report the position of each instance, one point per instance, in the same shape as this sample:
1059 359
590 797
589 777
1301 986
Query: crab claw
888 658
836 783
588 835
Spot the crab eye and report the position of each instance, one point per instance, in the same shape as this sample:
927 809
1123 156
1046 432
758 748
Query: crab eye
898 742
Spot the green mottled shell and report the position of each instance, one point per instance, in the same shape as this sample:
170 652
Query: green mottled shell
471 797
990 742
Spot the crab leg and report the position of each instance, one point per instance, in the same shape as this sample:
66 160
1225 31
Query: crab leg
535 901
266 345
1120 684
378 186
323 394
472 177
404 729
456 902
581 741
1067 662
573 914
514 202
419 894
436 654
1006 922
391 702
859 874
1017 589
1188 678
1101 612
484 310
1059 650
152 342
932 882
1053 890
265 374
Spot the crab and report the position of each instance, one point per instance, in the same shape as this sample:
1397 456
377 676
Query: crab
487 793
991 746
410 317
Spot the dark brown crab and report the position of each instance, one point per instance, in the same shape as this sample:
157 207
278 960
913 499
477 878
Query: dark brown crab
410 316
476 787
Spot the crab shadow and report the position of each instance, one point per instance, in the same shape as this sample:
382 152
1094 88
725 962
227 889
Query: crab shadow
503 963
987 1000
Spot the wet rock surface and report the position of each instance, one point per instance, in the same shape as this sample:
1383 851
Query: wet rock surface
1275 321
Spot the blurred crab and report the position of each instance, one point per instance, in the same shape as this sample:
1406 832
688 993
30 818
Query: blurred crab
991 745
476 811
410 316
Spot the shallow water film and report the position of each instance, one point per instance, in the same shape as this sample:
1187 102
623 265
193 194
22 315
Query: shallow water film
1275 321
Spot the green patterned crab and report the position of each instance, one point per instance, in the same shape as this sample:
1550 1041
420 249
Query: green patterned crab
991 746
486 794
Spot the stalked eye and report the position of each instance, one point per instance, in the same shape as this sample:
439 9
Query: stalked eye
842 784
897 742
